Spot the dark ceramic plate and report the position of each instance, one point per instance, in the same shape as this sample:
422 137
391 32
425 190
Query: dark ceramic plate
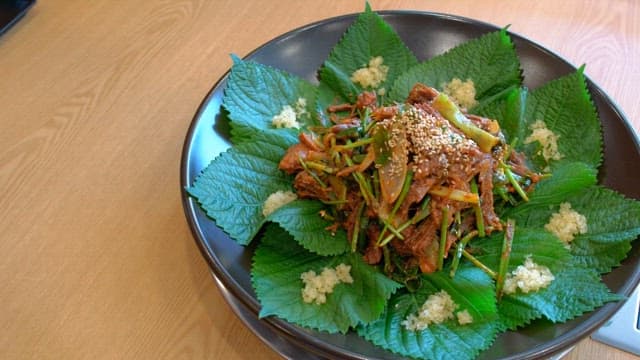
302 52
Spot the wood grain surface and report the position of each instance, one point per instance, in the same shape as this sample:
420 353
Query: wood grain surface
97 260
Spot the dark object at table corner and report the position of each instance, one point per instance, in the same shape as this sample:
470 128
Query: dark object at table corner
11 11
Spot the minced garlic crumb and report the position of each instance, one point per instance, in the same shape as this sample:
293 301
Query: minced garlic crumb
567 223
547 139
301 107
316 287
344 273
438 308
277 200
528 277
288 116
461 92
373 75
464 317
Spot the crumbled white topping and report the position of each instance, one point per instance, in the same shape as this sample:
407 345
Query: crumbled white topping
344 273
461 92
547 139
373 75
464 317
528 277
288 116
438 308
567 223
301 107
277 200
316 287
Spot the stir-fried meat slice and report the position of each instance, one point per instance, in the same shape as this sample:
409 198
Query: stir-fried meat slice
310 142
467 224
426 107
385 112
373 253
290 162
459 175
421 243
451 239
518 164
421 93
366 99
340 108
345 124
419 237
307 149
485 180
419 188
354 173
417 191
428 260
421 240
307 187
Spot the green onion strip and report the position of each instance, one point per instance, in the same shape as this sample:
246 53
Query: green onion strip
443 237
311 173
365 186
354 144
504 256
513 181
479 264
459 248
356 227
403 194
478 209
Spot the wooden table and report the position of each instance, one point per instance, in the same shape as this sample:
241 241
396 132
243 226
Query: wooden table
96 98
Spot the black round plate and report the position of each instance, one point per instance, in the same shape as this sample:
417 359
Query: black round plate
302 52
